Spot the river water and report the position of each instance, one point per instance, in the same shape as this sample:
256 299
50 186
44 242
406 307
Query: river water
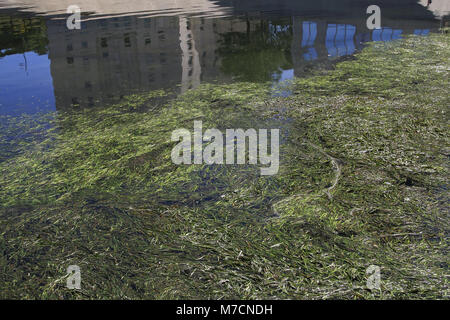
87 181
135 46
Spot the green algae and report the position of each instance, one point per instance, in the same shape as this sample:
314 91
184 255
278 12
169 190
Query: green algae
363 180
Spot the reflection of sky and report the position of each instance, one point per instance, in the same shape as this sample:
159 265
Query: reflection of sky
421 32
287 75
280 80
26 85
309 34
386 34
309 37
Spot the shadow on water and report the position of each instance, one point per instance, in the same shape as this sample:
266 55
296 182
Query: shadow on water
120 51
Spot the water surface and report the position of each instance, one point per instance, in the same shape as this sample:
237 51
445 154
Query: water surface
137 46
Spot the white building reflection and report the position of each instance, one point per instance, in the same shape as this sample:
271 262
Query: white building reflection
108 8
125 47
110 58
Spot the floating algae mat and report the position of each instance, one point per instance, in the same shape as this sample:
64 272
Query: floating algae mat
363 178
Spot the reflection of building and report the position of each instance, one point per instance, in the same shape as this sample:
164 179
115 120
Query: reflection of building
110 58
117 56
113 57
107 8
208 34
190 56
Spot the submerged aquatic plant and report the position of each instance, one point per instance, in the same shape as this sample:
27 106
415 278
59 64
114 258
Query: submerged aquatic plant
363 181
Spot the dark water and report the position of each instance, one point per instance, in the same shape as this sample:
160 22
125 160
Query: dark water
45 67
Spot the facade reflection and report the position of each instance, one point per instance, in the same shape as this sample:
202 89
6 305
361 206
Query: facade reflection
116 55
